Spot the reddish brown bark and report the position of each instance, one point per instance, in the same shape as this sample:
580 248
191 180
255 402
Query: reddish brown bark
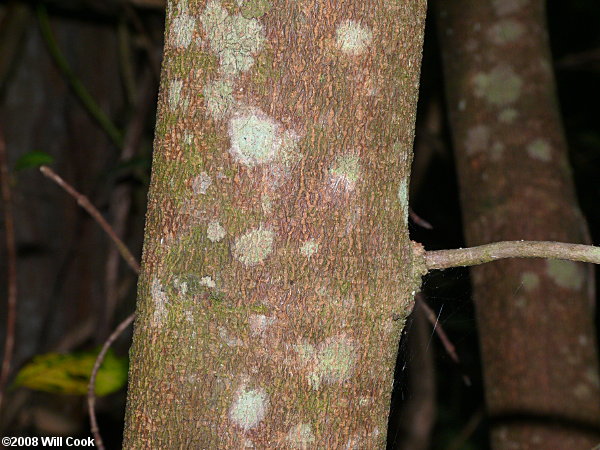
277 270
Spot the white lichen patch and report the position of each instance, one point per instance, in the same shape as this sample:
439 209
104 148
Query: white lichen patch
228 339
208 282
300 436
403 198
508 115
201 183
309 248
233 38
259 323
566 274
496 151
478 139
174 95
266 203
257 139
500 87
353 38
345 171
218 95
160 300
334 362
506 31
254 246
530 281
540 149
182 29
215 231
249 408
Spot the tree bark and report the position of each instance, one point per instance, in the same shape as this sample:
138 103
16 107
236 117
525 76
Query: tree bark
535 318
277 271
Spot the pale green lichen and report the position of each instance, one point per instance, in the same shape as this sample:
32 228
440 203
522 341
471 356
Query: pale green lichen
403 198
254 246
353 38
253 9
208 282
159 297
218 95
309 248
300 436
235 39
540 149
508 115
175 87
201 183
258 139
506 31
530 281
182 28
566 274
249 408
346 169
501 86
335 362
215 232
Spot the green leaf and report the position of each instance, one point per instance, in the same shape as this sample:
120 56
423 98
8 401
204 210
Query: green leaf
70 373
33 159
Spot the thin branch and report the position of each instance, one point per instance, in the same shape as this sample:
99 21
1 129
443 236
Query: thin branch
444 259
91 396
78 87
83 201
11 250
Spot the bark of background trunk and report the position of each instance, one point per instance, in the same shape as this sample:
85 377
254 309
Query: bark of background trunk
277 270
535 318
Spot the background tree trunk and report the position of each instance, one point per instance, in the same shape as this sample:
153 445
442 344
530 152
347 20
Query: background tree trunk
535 318
277 271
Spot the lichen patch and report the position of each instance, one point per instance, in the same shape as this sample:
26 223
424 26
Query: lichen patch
201 183
478 139
249 408
352 38
160 300
218 95
530 281
233 38
566 274
254 246
182 29
334 362
506 31
300 436
499 87
540 149
174 94
215 232
345 170
309 248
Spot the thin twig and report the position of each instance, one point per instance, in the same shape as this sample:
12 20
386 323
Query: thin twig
78 87
91 396
439 330
11 251
444 259
83 201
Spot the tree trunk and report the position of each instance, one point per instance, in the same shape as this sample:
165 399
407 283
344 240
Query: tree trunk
535 318
277 270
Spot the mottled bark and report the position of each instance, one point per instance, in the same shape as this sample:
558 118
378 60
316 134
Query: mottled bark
535 317
277 271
